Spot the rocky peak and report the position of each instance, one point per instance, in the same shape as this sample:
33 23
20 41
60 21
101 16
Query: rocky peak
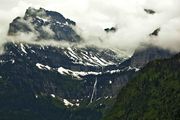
32 12
52 15
112 29
149 11
45 25
155 32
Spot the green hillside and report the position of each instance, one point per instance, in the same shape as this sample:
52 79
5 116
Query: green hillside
154 94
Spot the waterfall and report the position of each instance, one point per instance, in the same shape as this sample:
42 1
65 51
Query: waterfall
94 90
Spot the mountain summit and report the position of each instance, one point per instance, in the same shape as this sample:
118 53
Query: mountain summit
45 25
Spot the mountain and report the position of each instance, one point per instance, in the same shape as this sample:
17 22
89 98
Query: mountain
153 94
45 25
81 63
44 81
40 81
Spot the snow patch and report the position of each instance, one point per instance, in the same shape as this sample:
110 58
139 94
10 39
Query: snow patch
32 51
36 96
23 48
43 19
110 82
67 103
13 61
43 67
52 95
133 68
76 74
86 58
77 104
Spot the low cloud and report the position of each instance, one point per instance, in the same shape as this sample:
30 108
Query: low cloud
134 24
92 16
32 39
48 30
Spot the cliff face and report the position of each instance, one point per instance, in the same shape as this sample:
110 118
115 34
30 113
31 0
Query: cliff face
143 56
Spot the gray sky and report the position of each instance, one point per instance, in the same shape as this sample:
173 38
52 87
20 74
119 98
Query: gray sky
92 16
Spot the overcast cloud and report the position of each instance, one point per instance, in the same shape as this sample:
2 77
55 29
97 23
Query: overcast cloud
92 16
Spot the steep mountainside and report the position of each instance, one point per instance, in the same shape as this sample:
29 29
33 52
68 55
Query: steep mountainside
145 54
56 82
50 82
86 64
153 94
